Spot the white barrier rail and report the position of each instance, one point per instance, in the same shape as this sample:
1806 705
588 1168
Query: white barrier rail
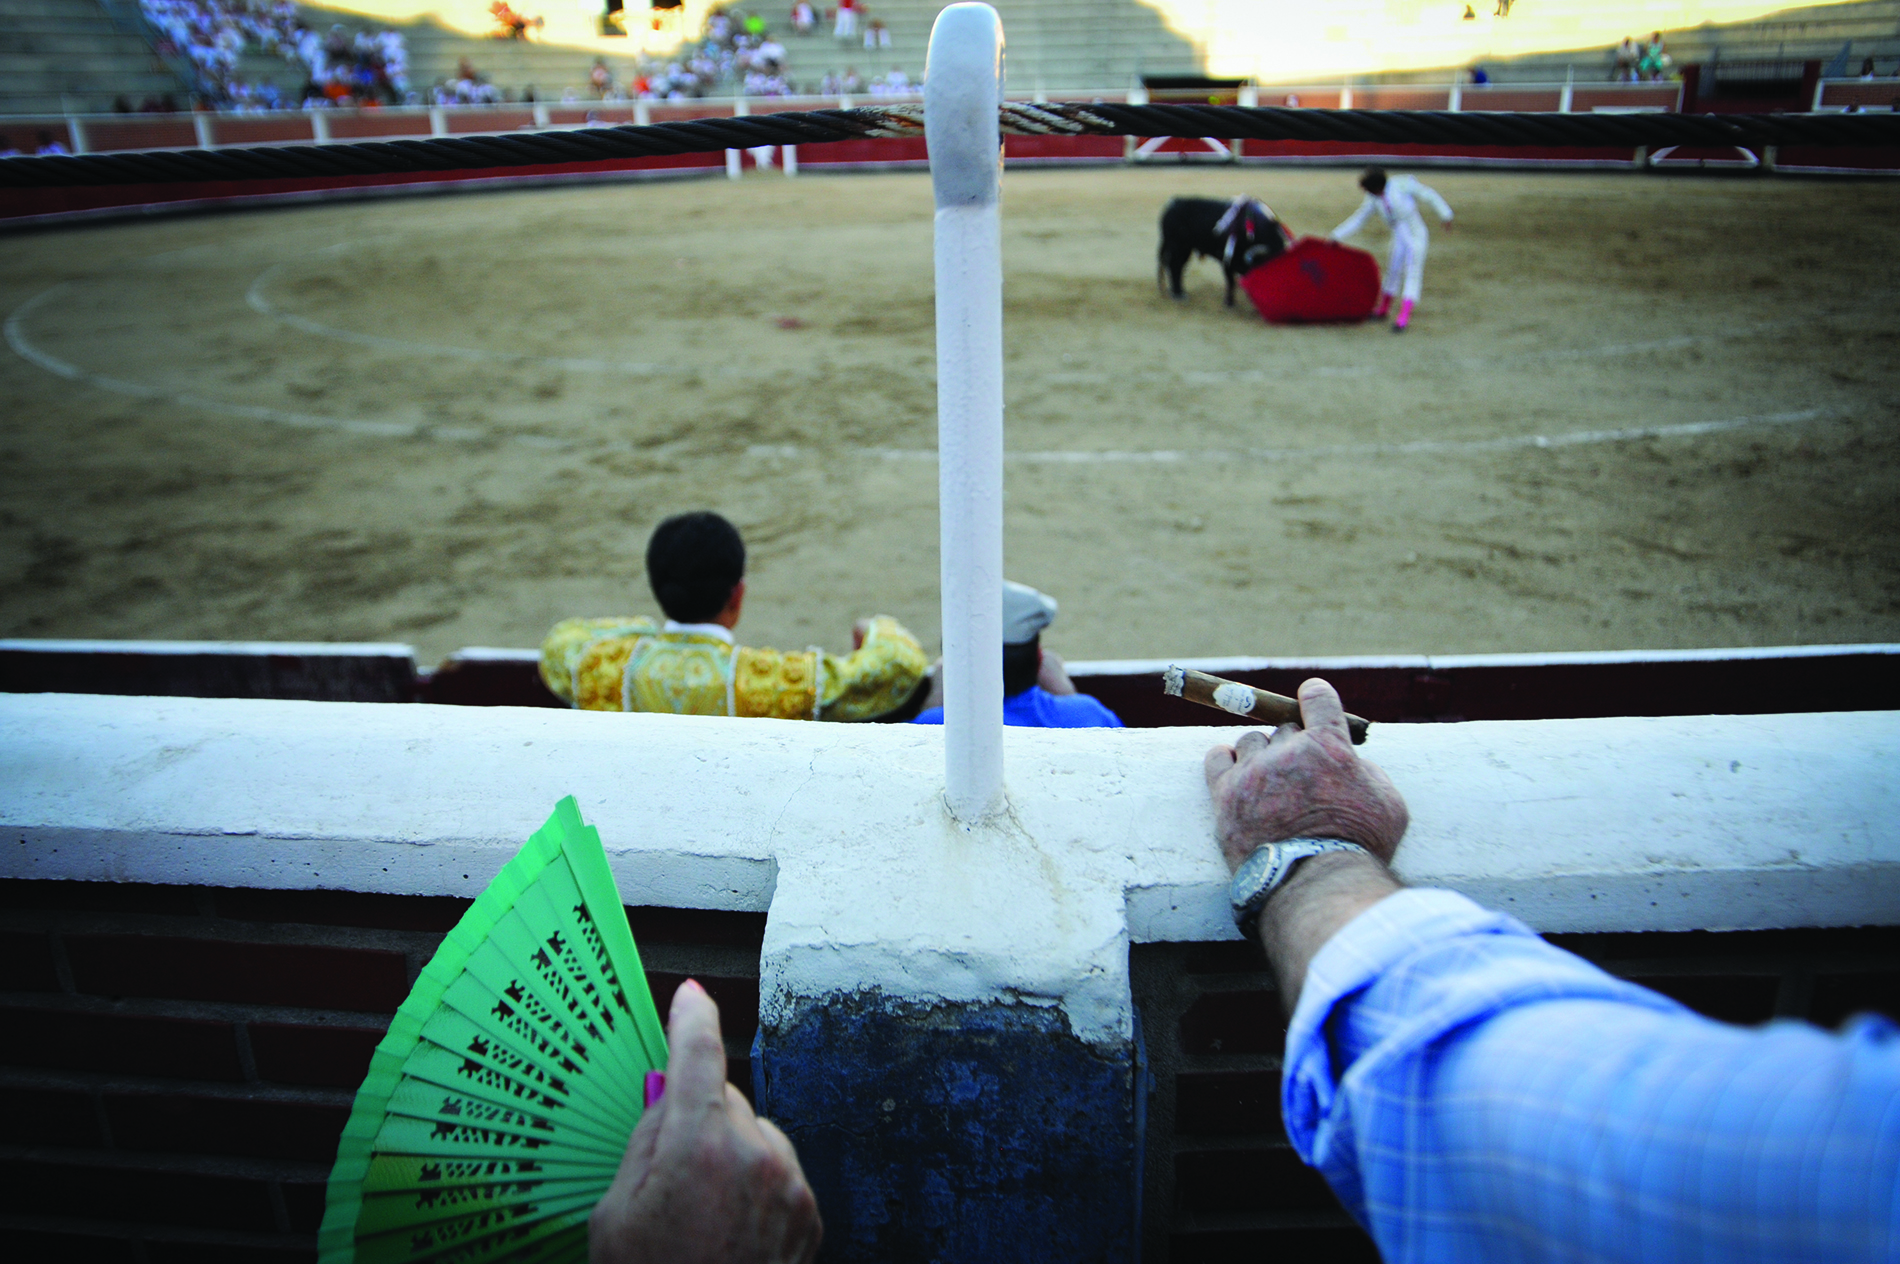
209 129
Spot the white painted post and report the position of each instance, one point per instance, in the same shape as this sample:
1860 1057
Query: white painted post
1457 99
642 116
963 89
438 121
734 164
1345 97
1137 95
201 129
1564 97
320 127
541 116
790 154
76 130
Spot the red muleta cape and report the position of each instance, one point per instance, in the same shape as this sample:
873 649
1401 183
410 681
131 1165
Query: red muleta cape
1316 279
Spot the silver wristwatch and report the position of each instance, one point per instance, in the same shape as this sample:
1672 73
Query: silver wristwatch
1268 867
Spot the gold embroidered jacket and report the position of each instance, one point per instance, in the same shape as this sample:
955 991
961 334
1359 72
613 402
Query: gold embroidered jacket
635 665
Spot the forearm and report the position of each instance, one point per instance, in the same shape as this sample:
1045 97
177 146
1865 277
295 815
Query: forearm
1321 895
1466 1087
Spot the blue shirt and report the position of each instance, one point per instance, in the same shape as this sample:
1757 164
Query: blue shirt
1037 708
1472 1093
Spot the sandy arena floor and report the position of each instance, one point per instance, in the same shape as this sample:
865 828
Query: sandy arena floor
454 420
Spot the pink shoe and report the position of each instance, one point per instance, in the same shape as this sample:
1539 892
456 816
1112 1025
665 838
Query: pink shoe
1405 317
1385 305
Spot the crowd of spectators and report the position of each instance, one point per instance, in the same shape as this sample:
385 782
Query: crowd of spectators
363 67
368 67
468 86
739 54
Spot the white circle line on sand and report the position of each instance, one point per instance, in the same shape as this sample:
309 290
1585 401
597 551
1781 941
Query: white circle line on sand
16 335
1461 364
257 298
1175 456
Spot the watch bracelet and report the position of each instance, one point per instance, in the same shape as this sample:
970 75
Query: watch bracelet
1267 868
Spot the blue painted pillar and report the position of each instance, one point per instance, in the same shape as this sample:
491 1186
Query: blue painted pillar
959 1133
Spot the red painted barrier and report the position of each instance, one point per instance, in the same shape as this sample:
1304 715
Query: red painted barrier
79 200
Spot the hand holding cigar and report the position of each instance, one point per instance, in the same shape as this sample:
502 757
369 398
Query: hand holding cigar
1244 700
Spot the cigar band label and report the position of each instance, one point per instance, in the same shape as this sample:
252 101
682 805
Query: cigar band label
1236 698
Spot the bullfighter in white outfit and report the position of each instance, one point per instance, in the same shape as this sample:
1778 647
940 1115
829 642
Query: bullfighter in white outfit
1396 200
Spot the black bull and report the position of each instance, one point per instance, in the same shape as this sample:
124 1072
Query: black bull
1189 226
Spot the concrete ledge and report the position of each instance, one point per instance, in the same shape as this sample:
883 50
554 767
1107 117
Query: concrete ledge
1576 825
945 1018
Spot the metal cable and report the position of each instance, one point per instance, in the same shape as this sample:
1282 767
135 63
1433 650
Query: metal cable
817 127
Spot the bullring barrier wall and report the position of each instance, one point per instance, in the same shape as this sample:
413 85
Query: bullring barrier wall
25 207
945 1021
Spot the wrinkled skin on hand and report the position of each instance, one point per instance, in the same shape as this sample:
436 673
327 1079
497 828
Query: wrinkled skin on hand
704 1180
1303 781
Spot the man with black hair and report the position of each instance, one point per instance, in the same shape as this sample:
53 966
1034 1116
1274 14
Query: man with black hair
1396 201
690 665
1037 691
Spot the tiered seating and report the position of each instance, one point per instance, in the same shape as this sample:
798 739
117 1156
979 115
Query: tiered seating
61 56
1056 44
1869 28
1060 45
435 50
68 55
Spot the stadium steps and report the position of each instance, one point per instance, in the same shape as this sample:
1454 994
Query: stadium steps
259 66
1868 29
1061 45
59 56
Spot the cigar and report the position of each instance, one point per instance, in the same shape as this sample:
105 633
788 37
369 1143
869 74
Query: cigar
1244 700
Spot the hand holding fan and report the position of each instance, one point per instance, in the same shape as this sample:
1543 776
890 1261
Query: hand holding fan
498 1106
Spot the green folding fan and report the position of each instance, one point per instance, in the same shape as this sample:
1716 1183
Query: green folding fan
498 1106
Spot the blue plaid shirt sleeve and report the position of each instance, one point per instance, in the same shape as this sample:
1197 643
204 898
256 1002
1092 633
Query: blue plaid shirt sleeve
1473 1093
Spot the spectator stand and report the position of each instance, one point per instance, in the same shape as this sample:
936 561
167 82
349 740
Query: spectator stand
233 45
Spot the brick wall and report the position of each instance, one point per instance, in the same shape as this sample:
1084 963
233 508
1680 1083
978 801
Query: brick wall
1219 1180
177 1062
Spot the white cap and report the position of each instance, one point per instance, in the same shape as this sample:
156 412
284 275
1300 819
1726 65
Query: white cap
1026 613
